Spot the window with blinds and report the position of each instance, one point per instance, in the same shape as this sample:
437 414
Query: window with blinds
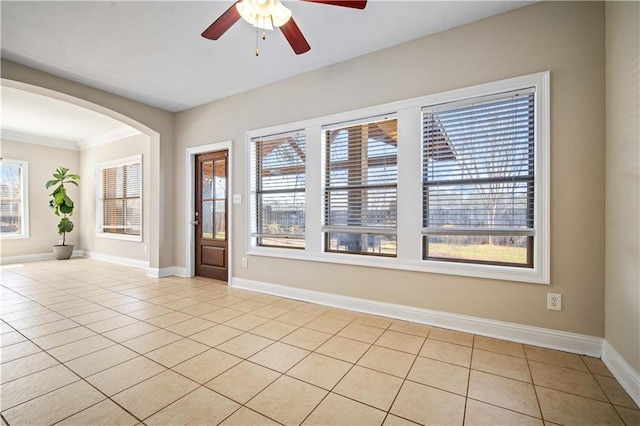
278 190
478 180
120 204
13 212
360 188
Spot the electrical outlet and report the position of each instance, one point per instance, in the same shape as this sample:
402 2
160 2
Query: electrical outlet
245 262
146 249
554 301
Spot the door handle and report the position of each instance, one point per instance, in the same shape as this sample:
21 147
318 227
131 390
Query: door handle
196 222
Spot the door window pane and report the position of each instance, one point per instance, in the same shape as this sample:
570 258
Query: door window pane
220 219
207 180
207 219
220 179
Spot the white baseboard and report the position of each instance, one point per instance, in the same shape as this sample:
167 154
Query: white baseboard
34 257
626 375
152 272
544 337
177 271
26 258
117 260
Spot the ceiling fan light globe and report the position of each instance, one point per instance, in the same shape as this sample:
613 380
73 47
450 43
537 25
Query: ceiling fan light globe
264 14
262 7
246 11
264 23
280 15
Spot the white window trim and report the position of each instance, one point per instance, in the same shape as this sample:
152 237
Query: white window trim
99 205
409 255
24 199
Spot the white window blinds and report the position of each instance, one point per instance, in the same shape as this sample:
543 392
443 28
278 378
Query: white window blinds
12 198
478 179
122 199
278 190
360 192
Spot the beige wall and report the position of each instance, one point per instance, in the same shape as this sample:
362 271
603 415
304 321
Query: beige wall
622 308
143 117
43 223
89 161
565 38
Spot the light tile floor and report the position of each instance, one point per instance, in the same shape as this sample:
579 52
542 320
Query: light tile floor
88 343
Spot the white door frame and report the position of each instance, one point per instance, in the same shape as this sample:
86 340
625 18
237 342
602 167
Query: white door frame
190 193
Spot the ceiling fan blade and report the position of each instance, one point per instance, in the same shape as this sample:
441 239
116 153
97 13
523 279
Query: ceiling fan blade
222 24
294 36
344 3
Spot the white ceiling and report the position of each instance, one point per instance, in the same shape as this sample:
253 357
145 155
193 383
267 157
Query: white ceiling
34 118
152 51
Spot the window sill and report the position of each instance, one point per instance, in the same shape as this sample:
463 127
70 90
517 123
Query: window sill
13 236
121 237
505 273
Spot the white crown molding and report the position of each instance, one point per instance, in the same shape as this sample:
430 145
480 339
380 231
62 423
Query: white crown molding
13 135
108 136
544 337
90 142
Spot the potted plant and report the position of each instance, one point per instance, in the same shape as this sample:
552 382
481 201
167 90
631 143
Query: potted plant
62 205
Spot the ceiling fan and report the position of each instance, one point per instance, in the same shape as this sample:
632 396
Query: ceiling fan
267 14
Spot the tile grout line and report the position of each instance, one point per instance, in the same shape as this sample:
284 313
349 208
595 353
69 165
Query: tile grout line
343 376
593 376
284 374
73 372
466 396
80 378
166 369
406 378
533 384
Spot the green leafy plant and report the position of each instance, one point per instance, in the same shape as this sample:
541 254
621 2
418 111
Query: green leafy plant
60 201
